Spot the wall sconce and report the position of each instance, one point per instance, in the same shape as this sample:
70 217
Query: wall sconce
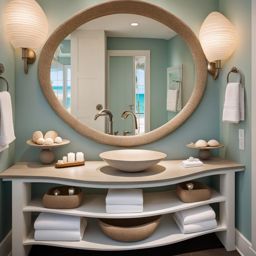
218 39
26 27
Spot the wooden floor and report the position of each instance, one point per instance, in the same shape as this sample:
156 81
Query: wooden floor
201 246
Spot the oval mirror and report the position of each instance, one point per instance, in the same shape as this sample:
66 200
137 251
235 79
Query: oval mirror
123 73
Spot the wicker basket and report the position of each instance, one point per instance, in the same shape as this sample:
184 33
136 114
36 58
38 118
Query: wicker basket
200 192
63 200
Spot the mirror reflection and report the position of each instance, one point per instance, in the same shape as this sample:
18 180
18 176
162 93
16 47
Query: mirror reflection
123 74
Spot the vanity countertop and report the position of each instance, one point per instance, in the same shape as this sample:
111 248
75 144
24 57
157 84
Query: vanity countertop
99 174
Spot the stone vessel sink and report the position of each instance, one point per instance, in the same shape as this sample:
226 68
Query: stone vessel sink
132 160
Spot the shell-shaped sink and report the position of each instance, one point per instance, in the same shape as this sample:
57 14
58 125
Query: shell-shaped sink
132 160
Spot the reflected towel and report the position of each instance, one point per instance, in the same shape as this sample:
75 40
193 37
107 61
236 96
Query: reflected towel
124 196
61 235
196 227
54 221
233 110
6 121
172 100
123 208
194 215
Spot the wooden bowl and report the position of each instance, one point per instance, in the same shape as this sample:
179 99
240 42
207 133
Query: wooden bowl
129 230
200 192
63 200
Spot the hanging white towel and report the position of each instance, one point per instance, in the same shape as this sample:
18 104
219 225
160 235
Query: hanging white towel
233 110
174 102
123 208
194 215
124 197
50 221
196 227
61 235
6 121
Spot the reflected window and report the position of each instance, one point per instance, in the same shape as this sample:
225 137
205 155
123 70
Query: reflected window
140 62
61 83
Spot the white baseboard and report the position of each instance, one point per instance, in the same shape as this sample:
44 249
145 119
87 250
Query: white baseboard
6 245
243 246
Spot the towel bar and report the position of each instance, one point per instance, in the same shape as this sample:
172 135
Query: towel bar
234 70
2 78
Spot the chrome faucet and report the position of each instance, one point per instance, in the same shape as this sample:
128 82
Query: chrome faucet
130 113
106 112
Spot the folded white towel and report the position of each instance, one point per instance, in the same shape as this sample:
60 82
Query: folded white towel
233 110
194 215
54 221
6 121
192 163
196 227
124 196
123 208
61 235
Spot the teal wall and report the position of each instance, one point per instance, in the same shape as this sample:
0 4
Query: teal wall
7 156
158 65
239 13
33 112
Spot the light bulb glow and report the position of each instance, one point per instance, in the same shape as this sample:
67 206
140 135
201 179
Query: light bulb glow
134 24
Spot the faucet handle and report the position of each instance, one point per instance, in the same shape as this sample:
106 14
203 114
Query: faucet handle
116 132
126 133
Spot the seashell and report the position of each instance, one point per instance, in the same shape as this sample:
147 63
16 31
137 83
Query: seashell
37 135
48 141
40 141
213 143
201 144
51 134
58 140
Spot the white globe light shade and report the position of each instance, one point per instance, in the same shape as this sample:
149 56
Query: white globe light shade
218 37
25 23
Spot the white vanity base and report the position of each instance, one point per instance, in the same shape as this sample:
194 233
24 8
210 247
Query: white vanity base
155 203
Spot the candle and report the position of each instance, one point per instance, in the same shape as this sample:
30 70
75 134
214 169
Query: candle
71 191
60 162
80 156
56 192
65 159
71 157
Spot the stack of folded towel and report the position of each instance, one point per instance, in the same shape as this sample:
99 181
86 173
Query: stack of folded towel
124 200
191 162
58 227
196 219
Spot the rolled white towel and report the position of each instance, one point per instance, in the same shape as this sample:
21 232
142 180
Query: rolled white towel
124 196
196 227
123 208
48 221
194 215
61 235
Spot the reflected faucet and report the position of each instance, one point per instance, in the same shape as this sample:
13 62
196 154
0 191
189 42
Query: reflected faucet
106 112
130 113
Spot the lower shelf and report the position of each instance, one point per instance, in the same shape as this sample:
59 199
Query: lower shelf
94 239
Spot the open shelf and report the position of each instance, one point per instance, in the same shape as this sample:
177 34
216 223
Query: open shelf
155 203
94 239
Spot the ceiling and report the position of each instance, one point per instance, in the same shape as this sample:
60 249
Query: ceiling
118 25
